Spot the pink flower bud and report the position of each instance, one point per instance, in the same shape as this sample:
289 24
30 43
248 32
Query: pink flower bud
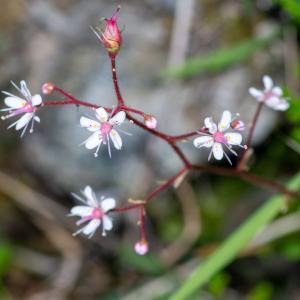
47 88
141 247
150 121
110 35
238 125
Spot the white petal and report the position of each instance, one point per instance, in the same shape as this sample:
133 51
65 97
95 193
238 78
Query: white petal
268 82
25 119
118 118
101 114
225 121
278 103
37 119
107 223
233 138
91 227
277 91
90 124
116 139
218 151
108 204
81 211
256 93
212 127
93 141
24 89
90 195
36 100
203 141
15 102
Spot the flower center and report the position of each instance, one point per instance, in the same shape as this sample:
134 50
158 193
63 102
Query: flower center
105 128
219 137
268 95
97 213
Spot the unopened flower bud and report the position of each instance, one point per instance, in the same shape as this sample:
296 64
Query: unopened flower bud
47 88
150 121
238 125
141 247
110 35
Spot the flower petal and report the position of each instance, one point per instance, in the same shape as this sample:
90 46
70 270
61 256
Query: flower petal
212 127
36 100
91 227
118 118
278 103
203 141
256 93
107 223
233 138
277 91
90 124
108 204
15 102
25 119
93 141
24 89
116 139
225 121
90 196
101 114
268 83
218 151
37 119
81 211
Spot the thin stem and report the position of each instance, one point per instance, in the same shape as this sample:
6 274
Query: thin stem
133 110
115 80
241 162
142 223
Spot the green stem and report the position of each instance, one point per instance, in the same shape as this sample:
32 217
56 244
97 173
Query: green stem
232 246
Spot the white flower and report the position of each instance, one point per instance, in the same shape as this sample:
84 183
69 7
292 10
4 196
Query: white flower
94 212
216 137
271 95
26 105
103 130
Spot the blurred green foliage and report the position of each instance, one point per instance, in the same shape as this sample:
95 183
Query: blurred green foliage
220 59
262 291
147 264
292 7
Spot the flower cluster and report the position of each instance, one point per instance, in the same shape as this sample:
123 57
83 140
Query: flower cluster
219 138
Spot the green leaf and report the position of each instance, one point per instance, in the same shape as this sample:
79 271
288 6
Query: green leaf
232 246
219 59
292 7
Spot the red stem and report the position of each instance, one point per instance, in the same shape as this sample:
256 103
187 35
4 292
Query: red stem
115 80
241 163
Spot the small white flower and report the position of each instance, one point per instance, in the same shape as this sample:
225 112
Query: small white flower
216 137
26 105
94 212
271 95
103 130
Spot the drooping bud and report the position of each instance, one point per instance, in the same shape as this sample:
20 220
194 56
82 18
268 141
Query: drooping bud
141 247
150 121
238 125
110 35
47 88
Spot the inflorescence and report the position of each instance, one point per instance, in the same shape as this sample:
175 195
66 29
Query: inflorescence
220 138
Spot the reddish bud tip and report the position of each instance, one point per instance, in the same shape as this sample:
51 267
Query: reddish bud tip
110 35
141 247
150 121
238 125
47 88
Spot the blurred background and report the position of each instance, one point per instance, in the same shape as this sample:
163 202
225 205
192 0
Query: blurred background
180 61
